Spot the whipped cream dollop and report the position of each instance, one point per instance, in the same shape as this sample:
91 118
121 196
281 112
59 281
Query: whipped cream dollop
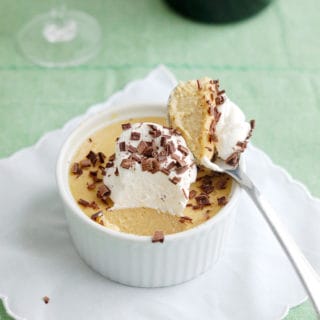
232 129
152 167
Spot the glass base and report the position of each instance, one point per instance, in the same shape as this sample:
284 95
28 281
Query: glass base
52 41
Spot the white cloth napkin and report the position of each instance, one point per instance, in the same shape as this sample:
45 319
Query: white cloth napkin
252 281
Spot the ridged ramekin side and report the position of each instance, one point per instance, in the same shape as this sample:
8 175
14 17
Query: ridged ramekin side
147 264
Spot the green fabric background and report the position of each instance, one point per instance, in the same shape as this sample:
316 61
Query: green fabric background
270 65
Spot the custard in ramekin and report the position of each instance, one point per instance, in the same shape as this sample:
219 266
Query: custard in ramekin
119 244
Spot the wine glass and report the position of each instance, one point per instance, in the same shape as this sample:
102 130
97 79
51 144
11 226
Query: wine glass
60 38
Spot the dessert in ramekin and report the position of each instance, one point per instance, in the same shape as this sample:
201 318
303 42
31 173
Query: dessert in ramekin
134 259
141 208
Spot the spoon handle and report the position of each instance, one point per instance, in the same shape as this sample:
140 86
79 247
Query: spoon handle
309 278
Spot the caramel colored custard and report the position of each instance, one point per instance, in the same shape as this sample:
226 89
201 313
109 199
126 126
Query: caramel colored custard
207 195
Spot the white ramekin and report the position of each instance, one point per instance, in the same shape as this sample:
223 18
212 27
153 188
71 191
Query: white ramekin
130 259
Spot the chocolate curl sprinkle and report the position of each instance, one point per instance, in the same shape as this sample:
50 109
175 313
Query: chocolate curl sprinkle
158 236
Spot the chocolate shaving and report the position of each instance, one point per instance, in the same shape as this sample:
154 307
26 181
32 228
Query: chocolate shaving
214 156
152 126
151 164
180 162
101 157
221 92
199 85
112 157
158 236
116 172
135 135
222 184
109 164
97 215
83 202
176 131
183 149
212 136
185 219
103 191
175 180
122 146
155 133
162 156
207 188
93 205
242 144
90 140
216 114
163 141
170 148
181 170
93 173
132 149
103 171
222 201
91 186
155 165
92 157
142 146
136 158
233 159
219 100
185 193
202 200
171 165
148 152
94 176
252 126
154 146
192 194
207 179
46 299
165 171
146 164
126 126
76 169
85 163
126 163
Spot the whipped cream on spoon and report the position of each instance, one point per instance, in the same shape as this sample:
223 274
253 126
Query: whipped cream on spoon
185 116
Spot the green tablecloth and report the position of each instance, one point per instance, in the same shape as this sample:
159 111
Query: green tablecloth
270 65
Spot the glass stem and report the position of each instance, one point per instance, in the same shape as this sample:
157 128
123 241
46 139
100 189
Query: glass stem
58 11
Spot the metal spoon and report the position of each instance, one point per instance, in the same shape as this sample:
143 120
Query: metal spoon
309 278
